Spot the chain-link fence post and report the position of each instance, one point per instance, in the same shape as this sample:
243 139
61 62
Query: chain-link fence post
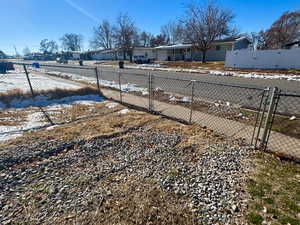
150 91
28 79
192 100
269 117
97 78
257 118
120 86
261 119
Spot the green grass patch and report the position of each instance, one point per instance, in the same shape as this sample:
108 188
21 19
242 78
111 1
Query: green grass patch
274 187
255 218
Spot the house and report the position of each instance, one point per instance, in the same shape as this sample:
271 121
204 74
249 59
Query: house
117 54
147 52
187 51
108 54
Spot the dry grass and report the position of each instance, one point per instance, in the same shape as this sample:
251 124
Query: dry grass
135 202
220 65
12 118
57 93
107 123
213 65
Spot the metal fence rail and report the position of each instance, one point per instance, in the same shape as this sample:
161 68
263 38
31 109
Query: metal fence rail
261 116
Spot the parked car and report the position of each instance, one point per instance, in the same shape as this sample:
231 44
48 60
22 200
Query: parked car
62 60
5 66
140 59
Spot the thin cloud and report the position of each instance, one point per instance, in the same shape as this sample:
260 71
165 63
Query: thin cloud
82 11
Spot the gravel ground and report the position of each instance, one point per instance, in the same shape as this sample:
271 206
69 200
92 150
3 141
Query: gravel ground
44 182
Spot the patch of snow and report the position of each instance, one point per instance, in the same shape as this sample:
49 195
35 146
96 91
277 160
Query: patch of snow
43 101
186 100
18 80
173 98
36 120
111 105
123 111
129 87
144 93
159 89
149 65
33 121
52 127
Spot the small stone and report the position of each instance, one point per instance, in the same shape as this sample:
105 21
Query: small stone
234 208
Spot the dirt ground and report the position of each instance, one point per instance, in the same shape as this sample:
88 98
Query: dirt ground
137 168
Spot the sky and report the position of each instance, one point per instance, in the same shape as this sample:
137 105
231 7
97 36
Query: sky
26 22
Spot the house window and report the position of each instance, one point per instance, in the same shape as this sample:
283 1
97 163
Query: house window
218 47
146 54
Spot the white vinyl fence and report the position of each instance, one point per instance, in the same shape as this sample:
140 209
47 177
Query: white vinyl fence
266 59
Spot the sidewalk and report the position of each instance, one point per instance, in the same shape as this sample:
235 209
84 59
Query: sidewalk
220 125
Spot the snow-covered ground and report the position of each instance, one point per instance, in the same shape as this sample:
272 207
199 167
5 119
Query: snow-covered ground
17 80
44 101
129 87
258 76
35 118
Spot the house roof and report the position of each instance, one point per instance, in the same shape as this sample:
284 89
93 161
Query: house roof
188 45
177 46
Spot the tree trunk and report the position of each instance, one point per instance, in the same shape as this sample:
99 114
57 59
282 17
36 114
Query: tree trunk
203 56
124 55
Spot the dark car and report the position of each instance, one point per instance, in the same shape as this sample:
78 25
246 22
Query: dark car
140 59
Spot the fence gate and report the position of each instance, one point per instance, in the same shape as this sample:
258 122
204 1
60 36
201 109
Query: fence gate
265 117
260 118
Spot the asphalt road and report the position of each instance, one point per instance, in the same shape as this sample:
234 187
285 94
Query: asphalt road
242 91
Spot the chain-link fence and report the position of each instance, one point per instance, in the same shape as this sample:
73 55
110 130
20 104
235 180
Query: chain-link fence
244 112
284 129
35 96
259 116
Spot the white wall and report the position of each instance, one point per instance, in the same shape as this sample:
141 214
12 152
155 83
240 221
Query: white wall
161 55
267 59
149 52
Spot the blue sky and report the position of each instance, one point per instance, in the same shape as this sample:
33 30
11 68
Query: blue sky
27 22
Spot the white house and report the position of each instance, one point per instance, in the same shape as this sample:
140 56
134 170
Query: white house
117 54
175 52
186 51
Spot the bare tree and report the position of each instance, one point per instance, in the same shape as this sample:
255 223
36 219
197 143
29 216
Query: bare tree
48 46
158 40
103 36
284 30
26 51
145 38
173 32
125 35
254 38
205 23
72 42
261 41
2 55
